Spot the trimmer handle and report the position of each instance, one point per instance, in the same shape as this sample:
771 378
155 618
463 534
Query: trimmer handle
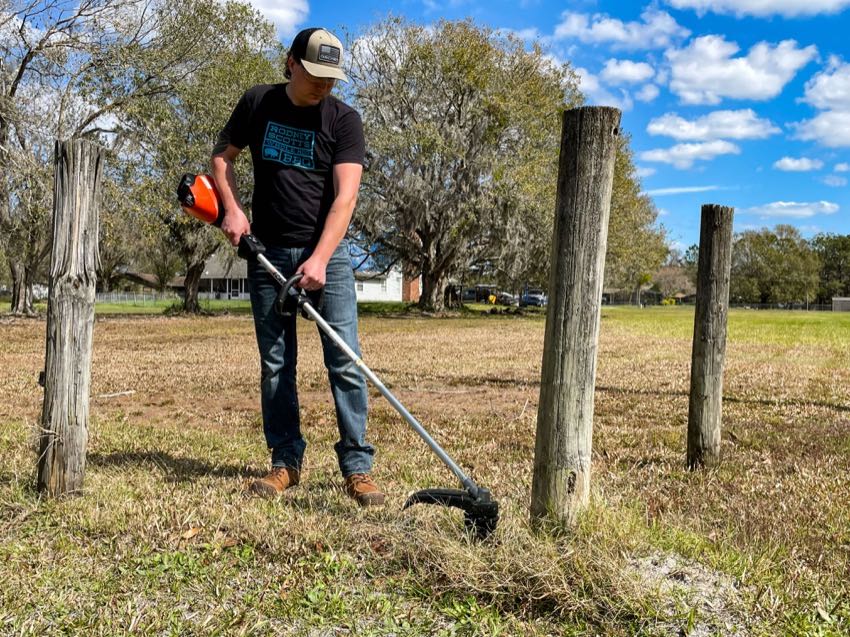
250 247
290 299
289 284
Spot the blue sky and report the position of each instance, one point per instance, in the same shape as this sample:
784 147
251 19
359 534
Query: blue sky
737 102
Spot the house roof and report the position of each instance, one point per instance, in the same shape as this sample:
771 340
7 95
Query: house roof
225 266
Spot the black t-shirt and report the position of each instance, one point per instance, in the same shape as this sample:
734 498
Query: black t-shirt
294 149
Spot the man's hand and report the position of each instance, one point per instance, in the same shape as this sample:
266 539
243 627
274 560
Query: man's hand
234 225
313 270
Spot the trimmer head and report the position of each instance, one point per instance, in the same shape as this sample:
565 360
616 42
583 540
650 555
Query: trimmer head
481 512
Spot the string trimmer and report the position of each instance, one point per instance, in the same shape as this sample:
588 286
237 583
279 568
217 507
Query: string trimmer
198 197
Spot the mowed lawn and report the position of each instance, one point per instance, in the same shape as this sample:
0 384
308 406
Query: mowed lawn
164 541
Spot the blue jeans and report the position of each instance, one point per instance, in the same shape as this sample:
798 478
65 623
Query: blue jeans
278 345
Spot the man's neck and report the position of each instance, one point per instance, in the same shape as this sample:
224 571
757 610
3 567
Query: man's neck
289 93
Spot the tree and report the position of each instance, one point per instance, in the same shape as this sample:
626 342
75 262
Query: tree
833 251
75 69
177 136
462 130
672 279
773 266
636 247
690 260
26 233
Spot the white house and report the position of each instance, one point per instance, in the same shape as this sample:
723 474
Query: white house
225 277
372 286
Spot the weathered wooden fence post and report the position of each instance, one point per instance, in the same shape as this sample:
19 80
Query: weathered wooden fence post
561 483
709 348
70 317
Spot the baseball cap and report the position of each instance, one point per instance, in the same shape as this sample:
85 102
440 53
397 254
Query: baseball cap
320 52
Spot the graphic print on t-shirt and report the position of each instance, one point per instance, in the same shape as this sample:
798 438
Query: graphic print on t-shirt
289 146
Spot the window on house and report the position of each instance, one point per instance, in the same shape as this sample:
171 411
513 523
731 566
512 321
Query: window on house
359 286
384 285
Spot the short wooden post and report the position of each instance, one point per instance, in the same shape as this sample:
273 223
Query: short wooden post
561 483
70 317
709 348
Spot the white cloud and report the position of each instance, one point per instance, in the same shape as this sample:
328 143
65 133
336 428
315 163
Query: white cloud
597 94
798 165
741 124
705 71
680 190
684 155
829 92
647 93
626 72
830 89
835 181
794 209
656 30
761 8
829 128
842 168
529 34
287 16
645 171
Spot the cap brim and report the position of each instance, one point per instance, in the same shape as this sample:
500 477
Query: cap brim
320 70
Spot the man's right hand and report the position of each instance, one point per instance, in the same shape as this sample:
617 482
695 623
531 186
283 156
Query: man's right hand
234 225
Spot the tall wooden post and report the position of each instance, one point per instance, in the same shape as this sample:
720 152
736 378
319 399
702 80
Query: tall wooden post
561 484
709 348
70 317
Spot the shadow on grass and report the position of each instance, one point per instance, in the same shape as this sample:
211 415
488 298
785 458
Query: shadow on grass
768 402
176 469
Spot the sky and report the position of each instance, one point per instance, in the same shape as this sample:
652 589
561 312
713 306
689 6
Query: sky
743 103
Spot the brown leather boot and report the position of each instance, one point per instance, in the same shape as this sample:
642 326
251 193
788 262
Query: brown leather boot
361 487
275 482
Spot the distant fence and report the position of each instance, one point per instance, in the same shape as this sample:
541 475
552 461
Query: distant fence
811 307
136 298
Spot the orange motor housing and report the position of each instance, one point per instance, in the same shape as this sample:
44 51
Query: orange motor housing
199 197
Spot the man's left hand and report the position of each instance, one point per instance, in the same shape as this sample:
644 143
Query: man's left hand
313 270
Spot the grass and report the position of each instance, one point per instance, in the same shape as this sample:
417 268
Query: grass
163 540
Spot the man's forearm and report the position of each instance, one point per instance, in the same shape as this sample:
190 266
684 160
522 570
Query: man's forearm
225 181
336 226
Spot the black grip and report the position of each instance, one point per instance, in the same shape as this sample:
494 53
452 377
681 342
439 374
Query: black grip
250 247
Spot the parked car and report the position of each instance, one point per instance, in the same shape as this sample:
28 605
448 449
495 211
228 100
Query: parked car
534 298
506 298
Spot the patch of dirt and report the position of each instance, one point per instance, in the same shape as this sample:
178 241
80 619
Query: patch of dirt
700 602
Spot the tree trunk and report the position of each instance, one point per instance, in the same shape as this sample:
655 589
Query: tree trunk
433 294
22 304
70 318
709 347
191 283
561 482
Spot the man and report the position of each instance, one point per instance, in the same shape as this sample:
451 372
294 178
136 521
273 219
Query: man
308 151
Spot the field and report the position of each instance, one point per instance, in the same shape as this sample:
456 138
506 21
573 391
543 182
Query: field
163 540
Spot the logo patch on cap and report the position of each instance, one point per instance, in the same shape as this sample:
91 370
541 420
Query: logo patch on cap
328 54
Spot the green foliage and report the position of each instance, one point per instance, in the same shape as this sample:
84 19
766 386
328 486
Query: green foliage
177 136
773 266
151 81
833 252
636 246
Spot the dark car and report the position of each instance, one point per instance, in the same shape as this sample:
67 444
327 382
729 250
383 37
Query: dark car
505 298
533 298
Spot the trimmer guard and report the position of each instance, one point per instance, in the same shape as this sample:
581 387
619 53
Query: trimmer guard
481 512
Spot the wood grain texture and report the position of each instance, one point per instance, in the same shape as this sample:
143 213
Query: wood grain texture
709 346
70 317
561 483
